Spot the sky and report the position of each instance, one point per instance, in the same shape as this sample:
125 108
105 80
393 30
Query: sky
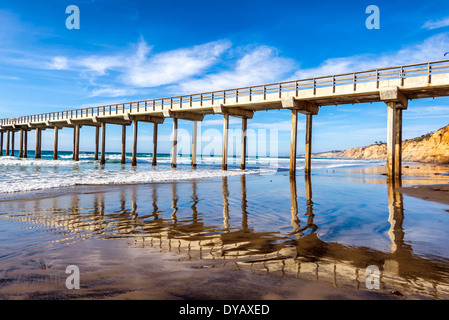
134 50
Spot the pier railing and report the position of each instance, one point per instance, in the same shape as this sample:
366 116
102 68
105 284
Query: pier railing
221 96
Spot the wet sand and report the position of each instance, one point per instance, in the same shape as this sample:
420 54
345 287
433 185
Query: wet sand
437 193
232 238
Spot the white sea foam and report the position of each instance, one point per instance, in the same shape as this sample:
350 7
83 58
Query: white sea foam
50 180
18 175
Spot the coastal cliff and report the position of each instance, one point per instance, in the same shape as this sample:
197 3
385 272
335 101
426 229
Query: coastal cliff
430 148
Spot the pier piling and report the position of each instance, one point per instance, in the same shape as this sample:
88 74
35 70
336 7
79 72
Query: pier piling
174 149
154 144
103 143
134 155
55 145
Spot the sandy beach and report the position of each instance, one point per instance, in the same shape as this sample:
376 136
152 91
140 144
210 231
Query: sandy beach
238 237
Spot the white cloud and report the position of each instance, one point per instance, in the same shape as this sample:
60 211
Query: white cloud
430 25
257 66
58 63
430 49
172 66
112 92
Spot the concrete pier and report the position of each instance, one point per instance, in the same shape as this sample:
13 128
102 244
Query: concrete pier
97 142
103 143
154 162
224 165
194 143
293 142
21 144
55 143
394 86
25 146
174 149
13 134
77 143
243 144
7 142
134 153
396 102
37 153
123 154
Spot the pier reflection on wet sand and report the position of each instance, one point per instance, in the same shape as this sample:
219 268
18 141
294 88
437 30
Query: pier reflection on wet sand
151 220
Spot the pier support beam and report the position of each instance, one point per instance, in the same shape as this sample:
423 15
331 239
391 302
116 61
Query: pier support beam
154 145
243 146
239 113
7 142
396 102
103 143
309 109
13 135
174 149
293 142
224 165
123 159
308 149
21 144
77 143
25 146
1 143
134 157
37 154
55 145
74 144
97 142
394 141
194 143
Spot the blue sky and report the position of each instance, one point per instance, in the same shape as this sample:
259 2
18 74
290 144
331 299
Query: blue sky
132 50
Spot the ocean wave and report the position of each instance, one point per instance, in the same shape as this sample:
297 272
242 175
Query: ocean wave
50 180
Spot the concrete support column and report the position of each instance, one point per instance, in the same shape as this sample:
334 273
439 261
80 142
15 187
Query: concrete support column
13 135
398 145
21 144
155 144
394 141
194 143
25 147
1 143
55 145
103 143
244 142
225 142
308 149
134 158
74 144
396 102
77 142
124 145
97 142
7 142
174 149
293 140
37 154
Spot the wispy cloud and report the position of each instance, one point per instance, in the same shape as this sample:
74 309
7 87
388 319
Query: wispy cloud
170 67
112 92
430 49
430 25
219 65
256 66
58 63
